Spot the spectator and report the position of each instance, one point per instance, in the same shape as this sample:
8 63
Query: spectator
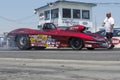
109 24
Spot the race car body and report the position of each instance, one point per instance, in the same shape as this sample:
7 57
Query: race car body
51 36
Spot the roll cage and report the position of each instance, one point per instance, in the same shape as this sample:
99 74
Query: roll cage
49 26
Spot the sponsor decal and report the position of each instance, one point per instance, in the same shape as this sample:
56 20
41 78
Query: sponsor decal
43 40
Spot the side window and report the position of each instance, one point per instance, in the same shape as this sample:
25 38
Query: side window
66 13
47 15
85 14
54 13
76 13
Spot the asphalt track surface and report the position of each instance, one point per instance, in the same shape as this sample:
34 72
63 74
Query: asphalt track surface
64 54
59 64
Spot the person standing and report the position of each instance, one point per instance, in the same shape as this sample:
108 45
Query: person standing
109 24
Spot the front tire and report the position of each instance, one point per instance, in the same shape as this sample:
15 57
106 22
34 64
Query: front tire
76 43
23 42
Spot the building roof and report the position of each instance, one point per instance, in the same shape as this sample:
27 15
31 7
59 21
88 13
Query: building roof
64 1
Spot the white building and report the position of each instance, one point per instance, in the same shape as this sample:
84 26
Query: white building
66 13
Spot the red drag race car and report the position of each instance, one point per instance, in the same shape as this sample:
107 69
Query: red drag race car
50 36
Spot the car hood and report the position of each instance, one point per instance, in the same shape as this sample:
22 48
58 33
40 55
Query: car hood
97 36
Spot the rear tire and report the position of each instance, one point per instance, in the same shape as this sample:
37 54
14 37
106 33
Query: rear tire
23 42
76 43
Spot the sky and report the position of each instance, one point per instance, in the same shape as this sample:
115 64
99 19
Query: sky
20 13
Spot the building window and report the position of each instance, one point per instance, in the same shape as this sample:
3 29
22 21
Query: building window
76 13
85 14
54 13
66 13
47 15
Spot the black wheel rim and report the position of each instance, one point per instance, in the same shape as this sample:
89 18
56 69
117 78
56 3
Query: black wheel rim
23 42
76 43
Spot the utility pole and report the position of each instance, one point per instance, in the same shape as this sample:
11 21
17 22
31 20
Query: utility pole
95 24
